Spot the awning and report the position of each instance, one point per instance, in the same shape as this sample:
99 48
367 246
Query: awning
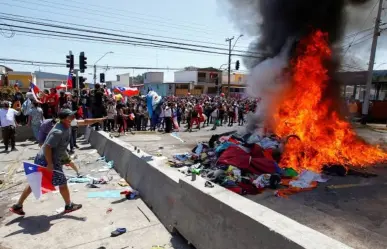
241 87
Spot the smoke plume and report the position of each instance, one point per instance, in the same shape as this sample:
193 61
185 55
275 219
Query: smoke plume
278 26
274 21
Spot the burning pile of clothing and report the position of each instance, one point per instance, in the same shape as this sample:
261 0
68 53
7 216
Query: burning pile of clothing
245 165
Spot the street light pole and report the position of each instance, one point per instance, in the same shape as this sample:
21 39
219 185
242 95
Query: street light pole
95 66
229 40
230 49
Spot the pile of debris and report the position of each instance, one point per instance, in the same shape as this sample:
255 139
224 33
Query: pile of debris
245 165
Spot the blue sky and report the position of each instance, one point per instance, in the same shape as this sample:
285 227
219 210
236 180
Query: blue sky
205 21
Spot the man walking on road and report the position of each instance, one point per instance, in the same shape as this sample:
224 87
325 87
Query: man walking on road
8 124
49 156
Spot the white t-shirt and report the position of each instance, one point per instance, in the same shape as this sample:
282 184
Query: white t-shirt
168 112
74 123
7 117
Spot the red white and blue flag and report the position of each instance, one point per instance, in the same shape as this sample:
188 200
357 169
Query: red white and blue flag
70 81
34 90
39 179
126 91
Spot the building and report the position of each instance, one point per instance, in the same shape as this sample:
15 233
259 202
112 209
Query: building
238 83
45 80
123 80
197 81
155 81
354 84
4 69
20 79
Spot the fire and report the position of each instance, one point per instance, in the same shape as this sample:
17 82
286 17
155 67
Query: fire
325 138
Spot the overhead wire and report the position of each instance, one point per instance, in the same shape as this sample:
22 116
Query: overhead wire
130 11
117 30
45 63
124 36
105 13
108 39
69 38
67 14
369 15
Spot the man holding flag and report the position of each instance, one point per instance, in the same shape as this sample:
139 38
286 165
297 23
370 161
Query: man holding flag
49 157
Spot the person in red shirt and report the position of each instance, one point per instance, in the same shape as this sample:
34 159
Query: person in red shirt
53 101
197 115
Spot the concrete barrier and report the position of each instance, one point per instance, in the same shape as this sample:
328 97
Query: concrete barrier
24 133
207 217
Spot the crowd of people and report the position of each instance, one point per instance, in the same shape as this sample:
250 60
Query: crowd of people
125 114
55 117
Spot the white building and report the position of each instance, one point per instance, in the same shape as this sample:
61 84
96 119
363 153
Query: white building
45 80
123 80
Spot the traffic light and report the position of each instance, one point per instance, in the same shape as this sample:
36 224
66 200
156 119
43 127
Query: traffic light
237 65
82 81
82 62
102 77
70 61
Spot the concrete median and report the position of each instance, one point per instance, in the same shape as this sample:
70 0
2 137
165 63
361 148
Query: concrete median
207 217
24 133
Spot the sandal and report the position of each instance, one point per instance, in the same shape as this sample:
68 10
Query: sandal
118 232
17 209
209 184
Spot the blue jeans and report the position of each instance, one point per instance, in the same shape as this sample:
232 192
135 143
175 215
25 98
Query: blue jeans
35 130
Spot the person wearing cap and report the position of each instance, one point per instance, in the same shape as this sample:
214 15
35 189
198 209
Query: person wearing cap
49 156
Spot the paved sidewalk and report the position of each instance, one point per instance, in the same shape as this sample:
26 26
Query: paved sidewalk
90 227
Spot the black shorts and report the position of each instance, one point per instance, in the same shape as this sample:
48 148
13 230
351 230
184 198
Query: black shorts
58 178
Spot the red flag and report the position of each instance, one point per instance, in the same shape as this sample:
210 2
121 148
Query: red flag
70 81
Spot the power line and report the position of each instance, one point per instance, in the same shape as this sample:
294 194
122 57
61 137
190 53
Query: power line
104 12
70 38
369 14
67 14
58 64
109 29
107 39
153 41
126 11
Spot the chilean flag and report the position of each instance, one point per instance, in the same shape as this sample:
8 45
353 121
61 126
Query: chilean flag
107 92
34 89
70 81
126 91
39 179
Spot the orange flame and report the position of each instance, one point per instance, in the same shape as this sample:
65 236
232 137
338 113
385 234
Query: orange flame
325 138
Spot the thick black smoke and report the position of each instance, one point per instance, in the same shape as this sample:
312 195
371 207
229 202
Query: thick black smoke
275 21
278 26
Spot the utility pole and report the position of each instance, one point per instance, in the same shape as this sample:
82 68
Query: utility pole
77 81
229 40
95 74
366 102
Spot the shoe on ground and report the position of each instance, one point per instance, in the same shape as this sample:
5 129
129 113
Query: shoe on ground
72 207
17 209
